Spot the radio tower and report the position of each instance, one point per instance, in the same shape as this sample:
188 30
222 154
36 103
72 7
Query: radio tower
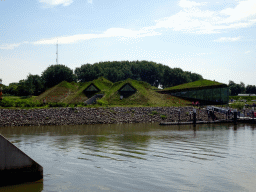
57 53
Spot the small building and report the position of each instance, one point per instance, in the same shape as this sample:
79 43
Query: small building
92 88
204 91
126 90
244 95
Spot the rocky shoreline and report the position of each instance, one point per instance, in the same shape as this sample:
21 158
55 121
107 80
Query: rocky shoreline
80 115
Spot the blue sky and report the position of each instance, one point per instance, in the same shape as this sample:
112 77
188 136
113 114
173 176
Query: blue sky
213 38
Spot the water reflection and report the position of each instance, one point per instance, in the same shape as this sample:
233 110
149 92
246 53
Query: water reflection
29 187
141 157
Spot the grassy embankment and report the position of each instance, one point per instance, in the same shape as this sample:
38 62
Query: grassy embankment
72 94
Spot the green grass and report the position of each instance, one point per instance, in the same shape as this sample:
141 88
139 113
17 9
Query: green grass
19 102
144 96
72 93
195 84
57 93
238 104
248 98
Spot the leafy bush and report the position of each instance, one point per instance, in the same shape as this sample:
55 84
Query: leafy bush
237 105
163 116
6 102
57 104
154 112
101 102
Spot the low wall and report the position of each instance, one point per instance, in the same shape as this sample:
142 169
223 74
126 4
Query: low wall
79 115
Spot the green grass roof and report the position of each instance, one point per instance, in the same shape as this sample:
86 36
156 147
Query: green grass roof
196 85
66 92
144 96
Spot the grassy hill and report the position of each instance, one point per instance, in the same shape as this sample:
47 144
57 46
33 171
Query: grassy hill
144 96
58 93
80 96
68 93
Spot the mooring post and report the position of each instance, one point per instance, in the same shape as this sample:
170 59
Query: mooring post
194 116
179 114
235 116
252 113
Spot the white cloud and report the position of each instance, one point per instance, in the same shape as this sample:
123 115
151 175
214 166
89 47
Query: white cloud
247 52
89 1
193 19
10 46
189 4
228 39
56 2
245 10
112 32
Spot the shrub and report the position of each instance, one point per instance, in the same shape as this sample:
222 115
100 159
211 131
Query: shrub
57 104
163 116
154 112
237 105
101 102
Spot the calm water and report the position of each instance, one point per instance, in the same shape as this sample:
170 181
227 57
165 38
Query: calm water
139 157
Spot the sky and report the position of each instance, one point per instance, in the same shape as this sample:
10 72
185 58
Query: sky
214 38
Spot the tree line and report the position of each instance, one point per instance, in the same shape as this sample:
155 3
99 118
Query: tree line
235 89
153 73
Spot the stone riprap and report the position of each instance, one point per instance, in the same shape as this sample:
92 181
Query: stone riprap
78 116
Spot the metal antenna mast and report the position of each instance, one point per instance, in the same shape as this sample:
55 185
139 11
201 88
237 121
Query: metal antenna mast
57 53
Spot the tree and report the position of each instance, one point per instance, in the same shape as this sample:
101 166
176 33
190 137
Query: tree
251 89
34 84
55 74
242 87
234 88
88 72
11 89
22 89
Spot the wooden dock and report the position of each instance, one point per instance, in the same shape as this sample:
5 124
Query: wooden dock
239 120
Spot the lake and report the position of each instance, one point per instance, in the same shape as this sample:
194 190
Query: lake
139 157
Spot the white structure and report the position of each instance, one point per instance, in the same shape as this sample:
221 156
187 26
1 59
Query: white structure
246 94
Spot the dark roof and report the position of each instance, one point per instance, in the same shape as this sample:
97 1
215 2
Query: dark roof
92 88
127 87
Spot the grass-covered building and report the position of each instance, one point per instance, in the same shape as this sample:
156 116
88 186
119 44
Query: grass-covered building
204 91
137 93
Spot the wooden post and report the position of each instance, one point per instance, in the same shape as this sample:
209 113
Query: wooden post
252 113
179 115
235 116
194 116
